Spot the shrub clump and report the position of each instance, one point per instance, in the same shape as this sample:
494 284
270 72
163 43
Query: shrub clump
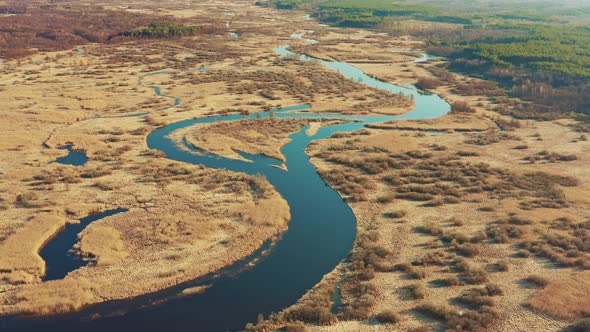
387 316
461 107
418 291
364 300
537 281
471 274
314 308
396 214
451 281
464 320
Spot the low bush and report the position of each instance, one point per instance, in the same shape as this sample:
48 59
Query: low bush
537 281
461 107
430 229
503 266
471 274
418 273
364 300
403 267
29 200
427 83
431 258
418 291
396 214
523 253
450 281
468 250
461 320
494 290
315 308
387 317
476 298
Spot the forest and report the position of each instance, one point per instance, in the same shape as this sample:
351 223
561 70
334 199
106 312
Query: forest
42 28
163 30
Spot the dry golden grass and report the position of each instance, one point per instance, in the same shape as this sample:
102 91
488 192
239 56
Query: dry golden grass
53 297
260 136
471 239
568 298
451 122
102 244
19 252
159 242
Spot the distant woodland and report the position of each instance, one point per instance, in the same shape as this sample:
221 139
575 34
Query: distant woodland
538 51
163 30
31 28
28 28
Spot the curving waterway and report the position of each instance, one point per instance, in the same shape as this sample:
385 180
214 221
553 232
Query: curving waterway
320 235
57 252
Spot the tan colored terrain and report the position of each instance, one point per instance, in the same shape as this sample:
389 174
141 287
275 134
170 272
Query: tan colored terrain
473 214
53 99
264 136
440 217
451 122
254 136
431 234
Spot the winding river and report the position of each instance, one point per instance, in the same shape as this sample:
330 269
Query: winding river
320 235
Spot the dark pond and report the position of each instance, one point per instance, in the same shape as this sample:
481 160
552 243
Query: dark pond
75 158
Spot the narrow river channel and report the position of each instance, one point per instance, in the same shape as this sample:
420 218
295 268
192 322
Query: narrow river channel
320 235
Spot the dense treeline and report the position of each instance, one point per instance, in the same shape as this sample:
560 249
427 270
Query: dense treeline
164 30
559 49
292 4
373 13
53 27
547 66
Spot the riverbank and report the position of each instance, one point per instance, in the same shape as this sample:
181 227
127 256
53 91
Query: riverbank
413 231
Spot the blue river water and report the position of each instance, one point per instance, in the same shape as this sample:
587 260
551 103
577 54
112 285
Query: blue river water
74 158
59 260
320 235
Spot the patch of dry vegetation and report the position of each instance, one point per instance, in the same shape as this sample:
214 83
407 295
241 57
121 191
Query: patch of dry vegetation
464 222
54 99
103 245
256 136
564 299
19 257
451 122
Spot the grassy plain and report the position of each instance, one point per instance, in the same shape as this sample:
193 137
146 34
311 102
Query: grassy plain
80 98
454 229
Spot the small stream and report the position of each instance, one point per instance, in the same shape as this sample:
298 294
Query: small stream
320 235
60 246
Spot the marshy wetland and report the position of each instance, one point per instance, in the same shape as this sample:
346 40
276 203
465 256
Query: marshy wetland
266 172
